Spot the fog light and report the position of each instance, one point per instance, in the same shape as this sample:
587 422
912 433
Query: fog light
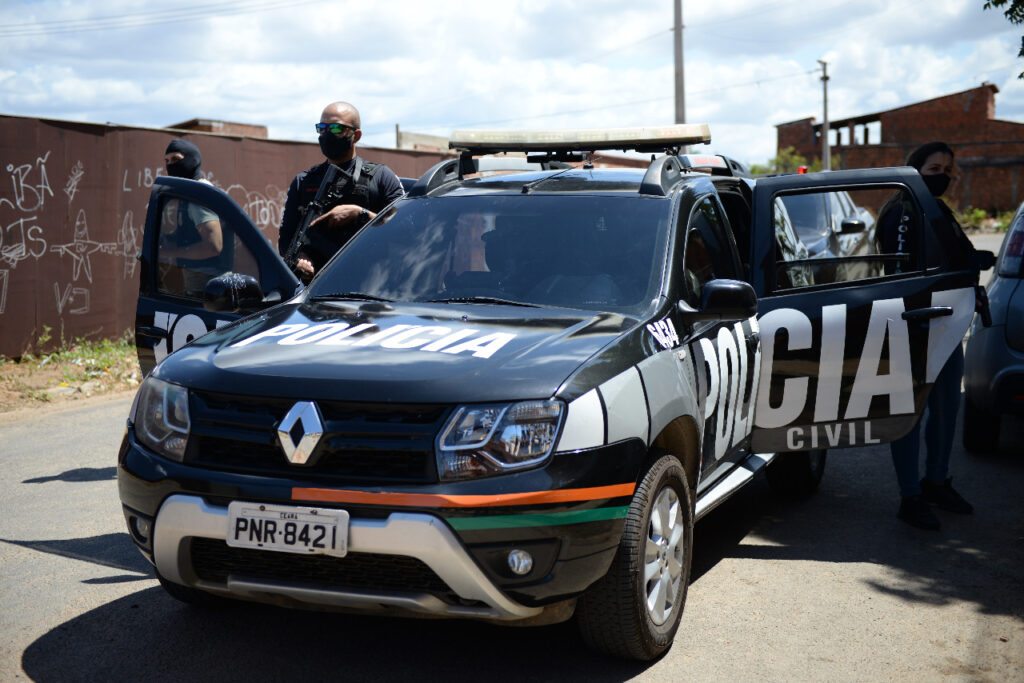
520 562
142 528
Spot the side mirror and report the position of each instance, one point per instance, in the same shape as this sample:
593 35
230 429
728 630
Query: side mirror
849 226
232 293
724 301
983 260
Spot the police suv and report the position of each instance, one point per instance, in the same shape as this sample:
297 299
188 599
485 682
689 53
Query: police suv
510 396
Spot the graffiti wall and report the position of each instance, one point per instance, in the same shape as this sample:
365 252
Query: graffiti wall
73 201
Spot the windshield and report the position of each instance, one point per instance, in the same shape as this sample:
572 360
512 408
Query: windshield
586 252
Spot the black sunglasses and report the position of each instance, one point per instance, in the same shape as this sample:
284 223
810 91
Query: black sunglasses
335 128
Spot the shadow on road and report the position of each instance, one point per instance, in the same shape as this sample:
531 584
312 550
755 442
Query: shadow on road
148 636
78 475
108 550
975 558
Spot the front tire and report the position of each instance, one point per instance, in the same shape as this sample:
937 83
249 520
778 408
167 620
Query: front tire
796 475
635 609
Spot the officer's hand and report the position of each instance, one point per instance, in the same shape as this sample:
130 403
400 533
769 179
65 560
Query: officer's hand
304 266
343 214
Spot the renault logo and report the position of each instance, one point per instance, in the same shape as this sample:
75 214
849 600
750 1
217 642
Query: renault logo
300 432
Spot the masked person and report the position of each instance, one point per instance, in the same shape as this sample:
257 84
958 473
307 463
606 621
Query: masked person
899 235
361 190
191 248
182 160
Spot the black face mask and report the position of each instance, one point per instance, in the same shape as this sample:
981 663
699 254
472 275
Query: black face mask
187 167
181 169
937 184
335 146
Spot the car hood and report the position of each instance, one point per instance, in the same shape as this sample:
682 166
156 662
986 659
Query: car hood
396 352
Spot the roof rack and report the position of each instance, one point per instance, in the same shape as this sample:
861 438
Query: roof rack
552 148
452 170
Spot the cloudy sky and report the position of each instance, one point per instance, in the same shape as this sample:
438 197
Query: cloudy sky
434 66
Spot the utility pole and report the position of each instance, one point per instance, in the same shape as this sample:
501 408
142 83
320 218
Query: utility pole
826 150
678 45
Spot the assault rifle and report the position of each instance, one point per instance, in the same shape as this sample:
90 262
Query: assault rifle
326 195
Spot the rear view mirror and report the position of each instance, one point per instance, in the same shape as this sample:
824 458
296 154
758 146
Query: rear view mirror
849 226
232 293
724 301
983 260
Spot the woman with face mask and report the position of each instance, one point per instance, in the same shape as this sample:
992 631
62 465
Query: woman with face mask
934 161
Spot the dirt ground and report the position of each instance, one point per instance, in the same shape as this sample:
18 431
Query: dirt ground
32 387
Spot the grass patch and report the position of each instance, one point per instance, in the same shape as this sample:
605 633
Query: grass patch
77 370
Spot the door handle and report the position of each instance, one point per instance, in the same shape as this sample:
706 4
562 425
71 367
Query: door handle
153 332
922 315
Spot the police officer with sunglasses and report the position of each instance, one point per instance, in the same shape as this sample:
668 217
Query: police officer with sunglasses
362 189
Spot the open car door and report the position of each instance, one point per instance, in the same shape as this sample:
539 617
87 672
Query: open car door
197 239
852 342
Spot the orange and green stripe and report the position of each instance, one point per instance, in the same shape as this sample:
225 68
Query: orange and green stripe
454 502
445 500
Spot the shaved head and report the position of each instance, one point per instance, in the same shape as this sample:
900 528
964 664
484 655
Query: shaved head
342 112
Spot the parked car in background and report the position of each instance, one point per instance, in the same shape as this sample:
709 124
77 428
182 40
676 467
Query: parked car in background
994 360
830 224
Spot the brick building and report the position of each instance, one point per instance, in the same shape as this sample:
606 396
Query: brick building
989 152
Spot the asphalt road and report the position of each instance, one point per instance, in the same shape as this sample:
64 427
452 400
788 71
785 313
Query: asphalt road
832 588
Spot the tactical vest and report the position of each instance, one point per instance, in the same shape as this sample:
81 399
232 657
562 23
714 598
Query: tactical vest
321 242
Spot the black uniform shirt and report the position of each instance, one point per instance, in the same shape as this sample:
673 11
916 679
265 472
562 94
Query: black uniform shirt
384 188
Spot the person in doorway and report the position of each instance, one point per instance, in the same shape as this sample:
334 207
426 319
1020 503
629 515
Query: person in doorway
363 188
934 161
191 237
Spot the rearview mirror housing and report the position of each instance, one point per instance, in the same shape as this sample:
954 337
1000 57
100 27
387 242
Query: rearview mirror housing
983 259
232 293
723 301
850 226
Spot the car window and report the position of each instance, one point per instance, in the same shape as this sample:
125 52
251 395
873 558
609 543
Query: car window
861 235
197 244
709 253
589 252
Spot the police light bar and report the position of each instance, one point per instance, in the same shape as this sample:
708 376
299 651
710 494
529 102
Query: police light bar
705 161
643 138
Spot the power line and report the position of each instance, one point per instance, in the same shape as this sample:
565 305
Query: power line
142 19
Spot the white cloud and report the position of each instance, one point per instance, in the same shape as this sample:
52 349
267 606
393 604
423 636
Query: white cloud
522 63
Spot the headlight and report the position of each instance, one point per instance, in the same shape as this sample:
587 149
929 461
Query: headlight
161 418
483 440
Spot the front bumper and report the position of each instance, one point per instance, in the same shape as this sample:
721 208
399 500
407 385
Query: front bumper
422 536
436 561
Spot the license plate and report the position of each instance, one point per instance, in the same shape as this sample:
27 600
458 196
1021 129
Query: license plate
288 529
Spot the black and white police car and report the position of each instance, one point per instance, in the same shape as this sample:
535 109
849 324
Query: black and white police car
509 397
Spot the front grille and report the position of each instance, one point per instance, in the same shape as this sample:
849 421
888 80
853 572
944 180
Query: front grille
214 560
362 442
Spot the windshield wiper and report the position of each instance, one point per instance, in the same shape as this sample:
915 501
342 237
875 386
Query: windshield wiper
348 296
480 300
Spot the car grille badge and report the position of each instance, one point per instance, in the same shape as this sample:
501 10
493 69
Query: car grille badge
299 433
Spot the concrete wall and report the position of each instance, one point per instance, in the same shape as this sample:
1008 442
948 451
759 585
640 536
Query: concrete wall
73 200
